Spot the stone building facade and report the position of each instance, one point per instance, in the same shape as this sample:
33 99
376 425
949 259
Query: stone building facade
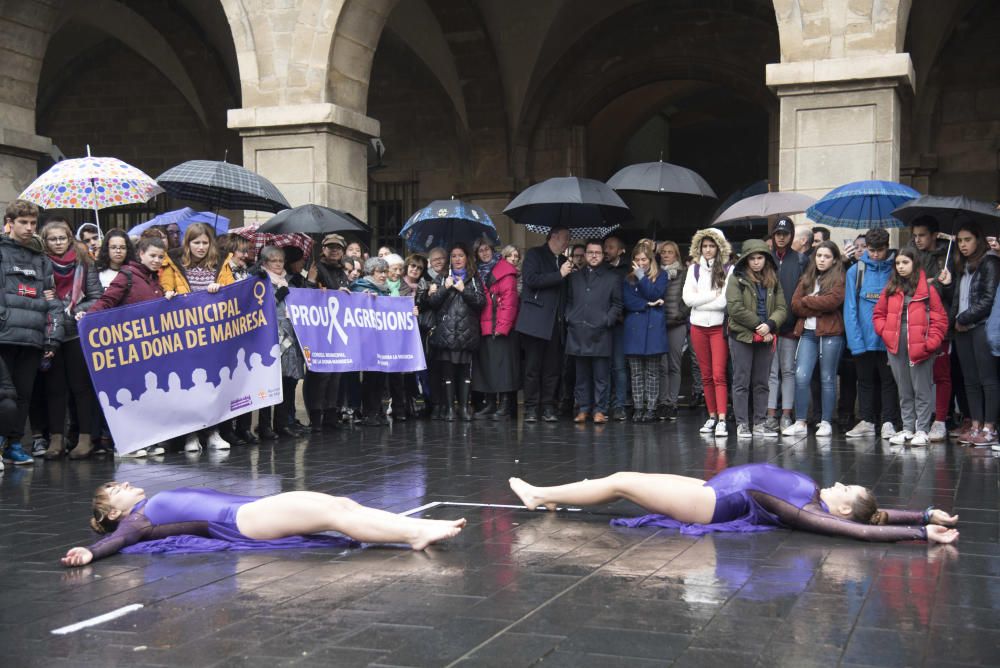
480 98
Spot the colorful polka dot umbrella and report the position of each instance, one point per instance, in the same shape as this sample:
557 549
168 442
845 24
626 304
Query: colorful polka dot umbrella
91 183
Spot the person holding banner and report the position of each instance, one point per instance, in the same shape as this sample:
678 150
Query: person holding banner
457 300
373 283
495 370
196 267
77 287
212 520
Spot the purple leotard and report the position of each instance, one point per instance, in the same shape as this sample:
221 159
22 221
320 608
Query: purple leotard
762 497
195 520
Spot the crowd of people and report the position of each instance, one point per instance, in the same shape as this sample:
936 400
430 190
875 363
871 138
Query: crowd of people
794 330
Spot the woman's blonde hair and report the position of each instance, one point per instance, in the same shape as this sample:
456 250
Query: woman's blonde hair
194 231
671 244
647 248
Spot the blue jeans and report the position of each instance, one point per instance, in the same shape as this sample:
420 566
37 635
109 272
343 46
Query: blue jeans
619 370
828 350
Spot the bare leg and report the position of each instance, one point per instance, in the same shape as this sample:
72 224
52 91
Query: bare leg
302 513
682 498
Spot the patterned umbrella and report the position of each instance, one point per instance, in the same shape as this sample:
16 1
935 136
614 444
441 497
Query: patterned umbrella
445 221
90 183
260 239
222 185
578 233
861 205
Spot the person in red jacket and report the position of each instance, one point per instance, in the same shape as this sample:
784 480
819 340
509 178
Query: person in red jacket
912 321
137 281
495 369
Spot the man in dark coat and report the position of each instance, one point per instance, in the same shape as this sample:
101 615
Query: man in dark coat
593 308
790 267
614 258
540 322
31 322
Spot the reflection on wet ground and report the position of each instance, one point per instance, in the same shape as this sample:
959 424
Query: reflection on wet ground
516 588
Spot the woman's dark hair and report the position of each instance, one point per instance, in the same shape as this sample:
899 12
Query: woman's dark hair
230 243
104 258
865 510
906 285
145 243
470 260
100 522
828 278
982 247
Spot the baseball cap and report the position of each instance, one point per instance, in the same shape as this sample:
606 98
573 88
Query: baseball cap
335 239
785 225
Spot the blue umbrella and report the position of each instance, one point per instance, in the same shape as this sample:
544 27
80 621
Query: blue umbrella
862 205
183 218
446 221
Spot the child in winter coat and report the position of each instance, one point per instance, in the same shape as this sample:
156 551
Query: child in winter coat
912 321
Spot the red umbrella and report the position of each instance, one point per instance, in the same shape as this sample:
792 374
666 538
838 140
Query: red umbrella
260 239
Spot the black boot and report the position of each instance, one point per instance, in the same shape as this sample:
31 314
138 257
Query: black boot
315 421
504 409
464 413
488 409
448 410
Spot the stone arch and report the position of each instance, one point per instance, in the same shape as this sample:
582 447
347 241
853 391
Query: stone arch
359 25
837 29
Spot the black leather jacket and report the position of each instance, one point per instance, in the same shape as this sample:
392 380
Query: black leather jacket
981 292
457 314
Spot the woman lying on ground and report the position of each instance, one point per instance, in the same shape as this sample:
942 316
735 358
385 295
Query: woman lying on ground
752 497
205 520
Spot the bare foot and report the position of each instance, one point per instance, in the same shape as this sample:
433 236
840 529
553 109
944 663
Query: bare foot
528 494
432 531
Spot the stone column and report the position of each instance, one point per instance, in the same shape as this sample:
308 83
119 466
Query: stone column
839 121
314 153
20 150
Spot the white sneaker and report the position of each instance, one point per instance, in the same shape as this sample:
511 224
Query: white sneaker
743 431
920 438
1 465
709 426
156 449
720 429
901 437
863 428
824 429
888 431
938 433
136 454
216 442
192 444
796 429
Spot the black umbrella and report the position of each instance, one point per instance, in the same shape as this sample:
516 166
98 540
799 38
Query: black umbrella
223 185
570 202
661 177
314 219
949 212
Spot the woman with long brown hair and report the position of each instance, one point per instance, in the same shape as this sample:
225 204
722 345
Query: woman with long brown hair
818 302
756 305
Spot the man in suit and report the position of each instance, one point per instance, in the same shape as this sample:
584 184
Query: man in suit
540 322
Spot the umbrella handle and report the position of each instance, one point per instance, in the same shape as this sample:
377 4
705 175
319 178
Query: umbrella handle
948 254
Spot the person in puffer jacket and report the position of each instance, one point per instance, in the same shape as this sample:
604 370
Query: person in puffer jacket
496 368
457 298
31 321
912 321
875 268
705 293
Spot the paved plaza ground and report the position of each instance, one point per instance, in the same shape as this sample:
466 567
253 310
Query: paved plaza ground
516 588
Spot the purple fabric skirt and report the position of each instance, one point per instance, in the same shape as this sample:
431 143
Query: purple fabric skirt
226 537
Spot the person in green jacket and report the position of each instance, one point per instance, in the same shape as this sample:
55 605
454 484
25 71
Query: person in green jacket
756 307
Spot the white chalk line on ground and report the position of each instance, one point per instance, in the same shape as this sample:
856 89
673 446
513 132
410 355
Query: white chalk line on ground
463 504
100 619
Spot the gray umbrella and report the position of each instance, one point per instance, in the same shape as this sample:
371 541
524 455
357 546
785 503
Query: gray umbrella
570 202
314 219
949 212
222 185
768 204
661 177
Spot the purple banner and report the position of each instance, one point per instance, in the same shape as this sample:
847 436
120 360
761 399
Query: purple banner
165 368
340 331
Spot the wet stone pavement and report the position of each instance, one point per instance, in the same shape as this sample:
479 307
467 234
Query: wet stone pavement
516 588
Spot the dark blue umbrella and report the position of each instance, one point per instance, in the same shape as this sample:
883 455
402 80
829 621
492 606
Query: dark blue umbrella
447 221
861 205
